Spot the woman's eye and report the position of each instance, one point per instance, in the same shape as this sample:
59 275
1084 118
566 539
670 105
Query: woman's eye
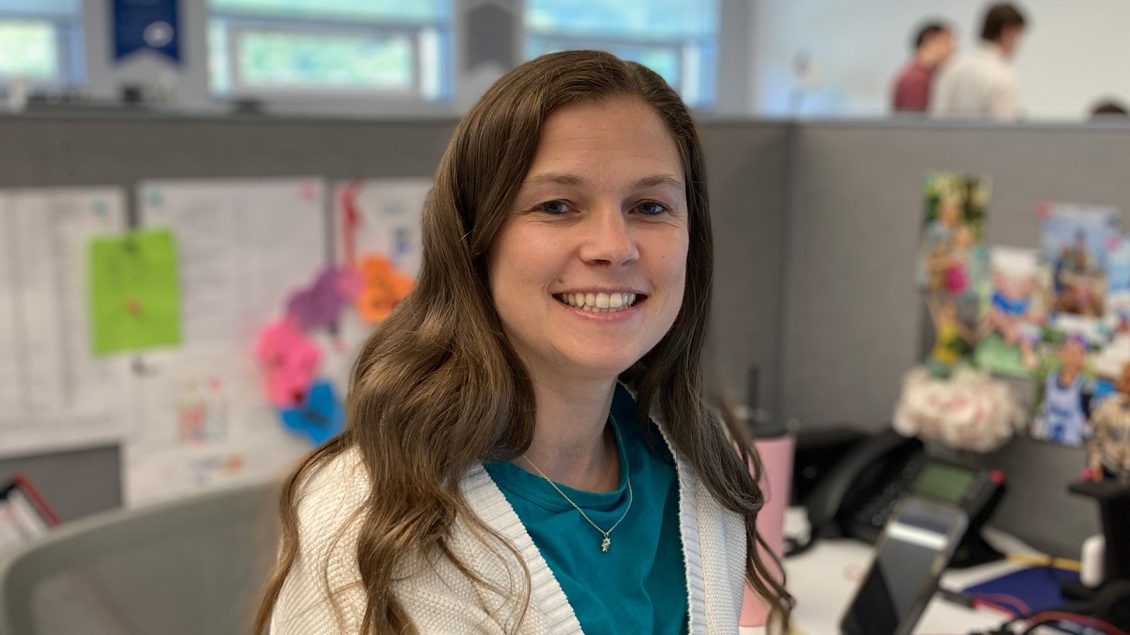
553 207
651 208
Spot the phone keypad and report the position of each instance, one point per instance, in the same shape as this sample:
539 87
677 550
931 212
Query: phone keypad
878 509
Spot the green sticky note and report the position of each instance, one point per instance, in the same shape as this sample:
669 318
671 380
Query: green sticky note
134 292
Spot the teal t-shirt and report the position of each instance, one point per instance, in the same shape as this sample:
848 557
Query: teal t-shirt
639 585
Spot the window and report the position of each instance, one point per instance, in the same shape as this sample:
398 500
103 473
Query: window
675 38
389 48
41 42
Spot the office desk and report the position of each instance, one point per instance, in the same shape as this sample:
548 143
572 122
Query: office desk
824 580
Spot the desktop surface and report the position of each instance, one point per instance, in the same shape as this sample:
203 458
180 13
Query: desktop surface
824 579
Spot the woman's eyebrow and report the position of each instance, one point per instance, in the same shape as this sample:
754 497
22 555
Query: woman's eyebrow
571 179
555 178
659 179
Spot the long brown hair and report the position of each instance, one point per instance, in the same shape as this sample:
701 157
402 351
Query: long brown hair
437 387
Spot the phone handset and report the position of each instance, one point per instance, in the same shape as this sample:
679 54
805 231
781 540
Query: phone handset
860 474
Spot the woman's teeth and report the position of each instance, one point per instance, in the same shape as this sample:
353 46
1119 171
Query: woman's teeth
599 302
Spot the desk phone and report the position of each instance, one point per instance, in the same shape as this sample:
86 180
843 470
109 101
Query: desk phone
858 495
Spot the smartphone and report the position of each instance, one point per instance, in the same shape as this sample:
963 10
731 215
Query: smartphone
910 555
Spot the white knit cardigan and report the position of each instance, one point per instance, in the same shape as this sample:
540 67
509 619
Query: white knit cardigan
441 599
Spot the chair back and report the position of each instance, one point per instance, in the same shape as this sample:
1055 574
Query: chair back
195 565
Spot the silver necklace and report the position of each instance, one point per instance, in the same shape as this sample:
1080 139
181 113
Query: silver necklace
607 542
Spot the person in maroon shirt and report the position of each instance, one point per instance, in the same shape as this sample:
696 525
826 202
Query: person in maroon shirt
932 47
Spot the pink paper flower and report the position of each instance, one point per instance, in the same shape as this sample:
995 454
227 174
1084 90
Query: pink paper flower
289 361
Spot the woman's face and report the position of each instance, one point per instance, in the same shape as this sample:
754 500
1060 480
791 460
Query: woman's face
587 272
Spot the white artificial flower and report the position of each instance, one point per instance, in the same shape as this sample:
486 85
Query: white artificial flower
968 411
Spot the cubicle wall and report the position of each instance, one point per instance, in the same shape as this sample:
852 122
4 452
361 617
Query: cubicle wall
815 227
121 151
853 323
747 164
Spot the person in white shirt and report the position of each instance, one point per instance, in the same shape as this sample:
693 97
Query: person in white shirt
983 83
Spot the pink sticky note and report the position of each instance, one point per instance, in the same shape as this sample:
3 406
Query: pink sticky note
289 361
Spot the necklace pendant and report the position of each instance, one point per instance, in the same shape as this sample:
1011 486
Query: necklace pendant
605 544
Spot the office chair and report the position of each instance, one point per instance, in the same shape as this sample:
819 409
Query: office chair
190 566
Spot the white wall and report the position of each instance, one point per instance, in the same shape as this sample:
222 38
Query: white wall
1074 53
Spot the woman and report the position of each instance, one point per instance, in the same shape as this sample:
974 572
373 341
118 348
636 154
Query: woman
494 475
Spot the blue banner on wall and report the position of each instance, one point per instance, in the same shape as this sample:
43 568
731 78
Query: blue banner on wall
146 25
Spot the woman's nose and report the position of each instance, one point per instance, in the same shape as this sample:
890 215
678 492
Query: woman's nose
610 238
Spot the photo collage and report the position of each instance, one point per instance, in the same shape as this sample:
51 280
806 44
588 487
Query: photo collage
1058 315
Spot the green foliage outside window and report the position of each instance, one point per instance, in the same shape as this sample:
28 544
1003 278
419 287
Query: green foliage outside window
366 10
274 58
28 49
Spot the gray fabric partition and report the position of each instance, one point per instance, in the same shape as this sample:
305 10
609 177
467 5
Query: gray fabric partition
815 229
77 483
746 164
853 320
38 151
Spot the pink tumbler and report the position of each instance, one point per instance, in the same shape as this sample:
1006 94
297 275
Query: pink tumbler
776 455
